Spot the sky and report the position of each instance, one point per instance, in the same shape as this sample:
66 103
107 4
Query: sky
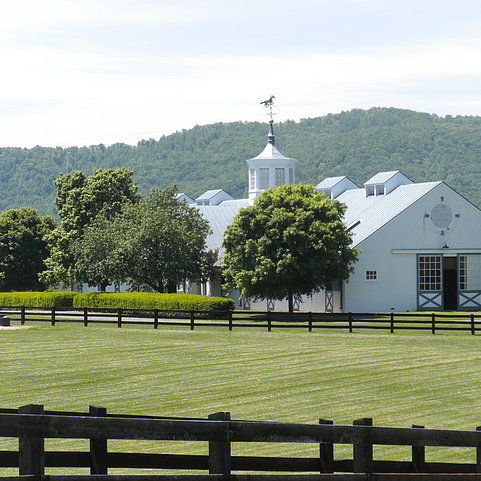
84 72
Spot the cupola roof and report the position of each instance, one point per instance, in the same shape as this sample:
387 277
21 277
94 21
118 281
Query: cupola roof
271 151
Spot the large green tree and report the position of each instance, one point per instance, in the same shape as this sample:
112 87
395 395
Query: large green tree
158 242
23 248
290 241
80 199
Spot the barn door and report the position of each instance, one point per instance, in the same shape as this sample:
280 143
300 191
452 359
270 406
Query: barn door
329 301
430 282
469 281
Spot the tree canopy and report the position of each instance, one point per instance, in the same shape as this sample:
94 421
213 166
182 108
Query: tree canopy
80 199
290 241
158 242
23 248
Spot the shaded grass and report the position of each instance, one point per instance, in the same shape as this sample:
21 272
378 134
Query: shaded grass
284 376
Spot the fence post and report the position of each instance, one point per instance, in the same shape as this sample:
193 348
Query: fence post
269 321
230 320
86 317
310 321
418 455
31 451
350 321
52 316
392 322
119 317
192 320
98 446
326 452
22 315
473 328
433 323
156 318
220 450
478 452
362 451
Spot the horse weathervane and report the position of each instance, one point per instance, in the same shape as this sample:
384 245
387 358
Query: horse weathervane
268 105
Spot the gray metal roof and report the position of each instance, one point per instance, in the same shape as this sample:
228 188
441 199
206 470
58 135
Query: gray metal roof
330 182
375 211
208 194
381 177
271 152
219 217
366 214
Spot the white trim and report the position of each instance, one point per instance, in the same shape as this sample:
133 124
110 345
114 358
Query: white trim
448 252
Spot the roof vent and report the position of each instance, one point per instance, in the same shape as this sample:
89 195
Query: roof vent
442 216
385 182
213 197
335 186
185 198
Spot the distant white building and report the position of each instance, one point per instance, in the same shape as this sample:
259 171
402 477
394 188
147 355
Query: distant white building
420 243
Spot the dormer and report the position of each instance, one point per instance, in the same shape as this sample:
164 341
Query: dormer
213 197
188 200
385 182
334 186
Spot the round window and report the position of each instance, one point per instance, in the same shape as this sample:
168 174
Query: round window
442 216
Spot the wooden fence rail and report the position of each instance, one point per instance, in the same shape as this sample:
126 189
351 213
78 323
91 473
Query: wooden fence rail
310 321
32 425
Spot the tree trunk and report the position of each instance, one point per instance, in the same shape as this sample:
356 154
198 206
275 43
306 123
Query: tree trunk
171 287
103 286
290 301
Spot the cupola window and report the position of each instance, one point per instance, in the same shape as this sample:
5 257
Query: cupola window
263 178
252 179
280 176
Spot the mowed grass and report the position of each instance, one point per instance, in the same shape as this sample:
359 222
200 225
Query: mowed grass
284 376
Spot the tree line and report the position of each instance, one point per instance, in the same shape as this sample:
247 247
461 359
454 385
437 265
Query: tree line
291 241
357 143
108 233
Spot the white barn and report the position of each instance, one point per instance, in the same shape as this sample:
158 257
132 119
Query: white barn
419 243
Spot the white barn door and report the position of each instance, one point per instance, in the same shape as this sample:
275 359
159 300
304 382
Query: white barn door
469 281
430 282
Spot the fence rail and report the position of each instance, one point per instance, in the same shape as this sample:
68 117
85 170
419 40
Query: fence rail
269 320
32 424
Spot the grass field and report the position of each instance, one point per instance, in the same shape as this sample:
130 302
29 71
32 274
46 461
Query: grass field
397 379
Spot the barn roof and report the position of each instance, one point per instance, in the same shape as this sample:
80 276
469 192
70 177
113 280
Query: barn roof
373 212
365 214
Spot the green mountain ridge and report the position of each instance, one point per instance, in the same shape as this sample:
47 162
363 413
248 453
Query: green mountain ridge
357 143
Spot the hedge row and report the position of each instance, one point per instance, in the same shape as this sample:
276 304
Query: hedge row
148 300
123 300
38 299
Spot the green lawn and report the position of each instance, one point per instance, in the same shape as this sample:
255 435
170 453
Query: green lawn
397 379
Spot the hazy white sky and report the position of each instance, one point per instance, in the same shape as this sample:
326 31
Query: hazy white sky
82 72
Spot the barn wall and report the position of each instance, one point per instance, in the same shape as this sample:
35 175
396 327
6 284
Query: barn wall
396 286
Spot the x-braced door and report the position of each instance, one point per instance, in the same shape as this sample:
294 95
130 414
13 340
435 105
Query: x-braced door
430 282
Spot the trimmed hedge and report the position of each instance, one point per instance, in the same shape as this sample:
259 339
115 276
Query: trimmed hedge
148 300
38 299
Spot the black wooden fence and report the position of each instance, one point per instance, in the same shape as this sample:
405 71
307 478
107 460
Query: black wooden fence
32 425
270 320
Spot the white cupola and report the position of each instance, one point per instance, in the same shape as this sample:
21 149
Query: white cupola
270 168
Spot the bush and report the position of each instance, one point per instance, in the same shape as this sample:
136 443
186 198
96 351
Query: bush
38 299
148 300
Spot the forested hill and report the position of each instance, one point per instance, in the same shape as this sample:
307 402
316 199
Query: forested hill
358 143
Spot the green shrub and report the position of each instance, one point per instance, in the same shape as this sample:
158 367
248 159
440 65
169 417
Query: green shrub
38 299
148 300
